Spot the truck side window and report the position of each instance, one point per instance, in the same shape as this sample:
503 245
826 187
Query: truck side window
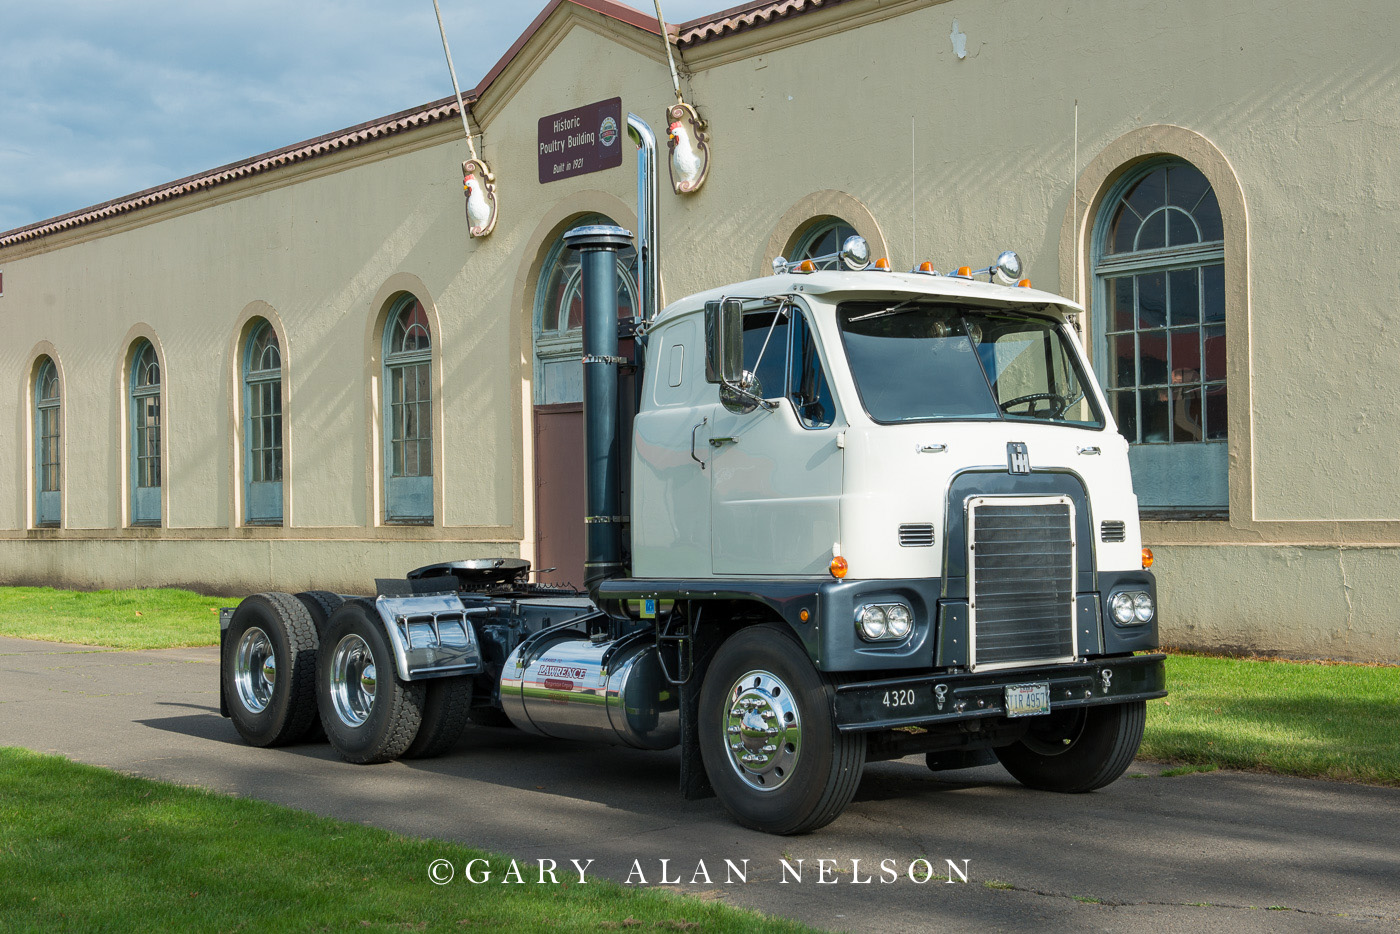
807 386
768 363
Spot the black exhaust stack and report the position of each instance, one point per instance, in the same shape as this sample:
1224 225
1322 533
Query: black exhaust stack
603 512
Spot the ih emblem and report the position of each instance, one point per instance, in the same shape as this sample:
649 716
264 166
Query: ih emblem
1018 459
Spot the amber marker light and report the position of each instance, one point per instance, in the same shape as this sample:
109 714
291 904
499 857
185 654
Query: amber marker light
926 267
1024 283
839 567
806 266
1146 558
804 616
883 264
965 272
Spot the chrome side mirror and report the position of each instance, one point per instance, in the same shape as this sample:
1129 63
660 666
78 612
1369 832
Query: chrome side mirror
724 341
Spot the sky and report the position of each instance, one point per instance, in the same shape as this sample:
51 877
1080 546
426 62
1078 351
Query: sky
103 98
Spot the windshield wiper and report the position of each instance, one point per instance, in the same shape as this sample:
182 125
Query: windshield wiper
910 305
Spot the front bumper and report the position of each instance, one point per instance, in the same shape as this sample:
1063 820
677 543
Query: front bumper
924 700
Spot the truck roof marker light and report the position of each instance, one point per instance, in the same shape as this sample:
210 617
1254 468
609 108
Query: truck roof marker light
1147 558
1006 269
1024 284
882 264
926 268
839 567
964 272
806 266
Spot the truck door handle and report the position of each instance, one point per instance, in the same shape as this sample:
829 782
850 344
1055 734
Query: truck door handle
703 423
721 442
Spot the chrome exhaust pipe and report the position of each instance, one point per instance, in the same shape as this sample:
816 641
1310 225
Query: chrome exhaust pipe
648 213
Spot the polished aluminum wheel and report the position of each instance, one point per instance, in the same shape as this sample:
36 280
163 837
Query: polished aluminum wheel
763 730
354 680
255 670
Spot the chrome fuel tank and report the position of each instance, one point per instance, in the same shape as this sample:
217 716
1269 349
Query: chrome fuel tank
612 692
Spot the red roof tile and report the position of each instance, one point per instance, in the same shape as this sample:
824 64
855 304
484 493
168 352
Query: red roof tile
745 16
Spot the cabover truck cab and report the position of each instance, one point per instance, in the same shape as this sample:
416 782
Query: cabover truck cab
832 516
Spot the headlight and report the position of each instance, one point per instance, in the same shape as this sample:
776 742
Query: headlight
884 622
900 620
871 622
1132 607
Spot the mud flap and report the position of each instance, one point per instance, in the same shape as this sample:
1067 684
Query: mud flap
225 616
695 783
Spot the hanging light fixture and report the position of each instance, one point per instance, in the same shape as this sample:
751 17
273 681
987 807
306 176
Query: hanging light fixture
478 181
685 129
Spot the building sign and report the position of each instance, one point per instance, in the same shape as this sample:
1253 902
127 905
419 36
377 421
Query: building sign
585 139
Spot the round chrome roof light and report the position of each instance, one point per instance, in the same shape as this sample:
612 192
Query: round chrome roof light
1008 267
855 253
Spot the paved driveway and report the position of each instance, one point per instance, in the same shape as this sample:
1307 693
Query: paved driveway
1205 852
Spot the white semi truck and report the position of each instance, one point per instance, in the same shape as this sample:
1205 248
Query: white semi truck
836 515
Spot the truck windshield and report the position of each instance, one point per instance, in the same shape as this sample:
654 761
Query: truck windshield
915 361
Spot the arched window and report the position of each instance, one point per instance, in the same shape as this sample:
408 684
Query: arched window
144 384
262 426
408 414
822 239
48 505
1160 335
559 316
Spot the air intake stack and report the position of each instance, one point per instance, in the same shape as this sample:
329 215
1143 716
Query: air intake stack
602 505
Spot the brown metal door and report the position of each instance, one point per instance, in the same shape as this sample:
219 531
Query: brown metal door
559 487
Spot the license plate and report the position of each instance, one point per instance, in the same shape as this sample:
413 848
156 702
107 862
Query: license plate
1028 700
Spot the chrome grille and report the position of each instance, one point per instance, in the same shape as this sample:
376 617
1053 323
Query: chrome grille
1021 580
918 535
1113 530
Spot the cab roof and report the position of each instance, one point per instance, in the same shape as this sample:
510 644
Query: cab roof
839 285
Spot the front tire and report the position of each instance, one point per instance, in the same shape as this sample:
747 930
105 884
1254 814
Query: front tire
369 715
1079 750
268 670
768 735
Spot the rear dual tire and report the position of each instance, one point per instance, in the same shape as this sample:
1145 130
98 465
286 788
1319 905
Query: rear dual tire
369 715
268 670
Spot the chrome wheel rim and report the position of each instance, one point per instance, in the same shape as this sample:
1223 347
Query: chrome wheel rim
255 670
762 730
354 680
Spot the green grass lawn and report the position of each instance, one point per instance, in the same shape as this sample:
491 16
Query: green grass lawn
87 849
124 619
1315 720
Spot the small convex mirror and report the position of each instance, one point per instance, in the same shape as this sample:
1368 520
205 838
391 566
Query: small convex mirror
741 396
